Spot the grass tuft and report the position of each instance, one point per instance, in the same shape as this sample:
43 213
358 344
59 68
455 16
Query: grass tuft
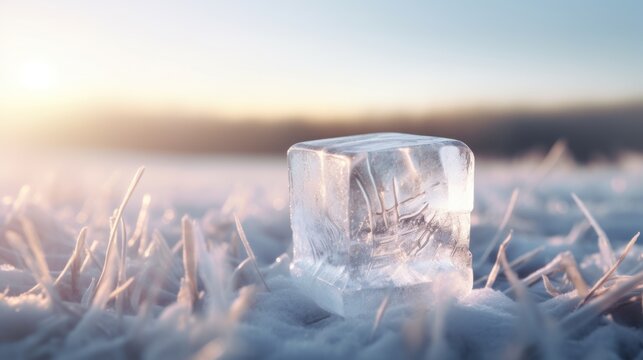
248 248
609 272
501 228
103 285
189 259
604 243
491 278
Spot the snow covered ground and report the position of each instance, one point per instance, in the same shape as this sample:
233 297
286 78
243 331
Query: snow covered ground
171 286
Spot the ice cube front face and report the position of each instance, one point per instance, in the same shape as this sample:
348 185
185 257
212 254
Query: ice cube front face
380 214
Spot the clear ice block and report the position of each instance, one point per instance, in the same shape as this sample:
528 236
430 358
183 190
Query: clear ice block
380 214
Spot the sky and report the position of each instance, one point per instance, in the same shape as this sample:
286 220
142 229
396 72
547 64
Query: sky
273 60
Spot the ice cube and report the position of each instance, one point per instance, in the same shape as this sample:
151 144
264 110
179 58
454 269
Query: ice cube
380 214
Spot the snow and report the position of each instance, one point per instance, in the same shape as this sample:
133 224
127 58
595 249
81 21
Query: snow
233 315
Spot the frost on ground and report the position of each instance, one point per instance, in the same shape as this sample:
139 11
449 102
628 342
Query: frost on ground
88 271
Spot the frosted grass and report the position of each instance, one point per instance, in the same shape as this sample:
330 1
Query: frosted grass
186 278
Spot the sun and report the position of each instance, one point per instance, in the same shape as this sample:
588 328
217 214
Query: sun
37 76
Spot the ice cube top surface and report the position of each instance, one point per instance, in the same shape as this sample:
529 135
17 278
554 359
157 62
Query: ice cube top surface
357 144
379 211
441 167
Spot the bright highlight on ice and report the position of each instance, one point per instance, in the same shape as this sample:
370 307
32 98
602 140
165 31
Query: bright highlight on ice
381 214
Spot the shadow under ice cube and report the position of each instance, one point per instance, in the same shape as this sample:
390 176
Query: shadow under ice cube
380 214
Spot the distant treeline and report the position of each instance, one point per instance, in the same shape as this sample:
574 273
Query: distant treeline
589 132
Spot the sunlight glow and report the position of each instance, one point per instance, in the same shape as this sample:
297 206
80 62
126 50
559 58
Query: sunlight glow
37 76
226 60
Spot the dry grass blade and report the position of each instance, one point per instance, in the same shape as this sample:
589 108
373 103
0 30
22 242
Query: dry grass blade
617 280
251 255
241 304
515 264
237 270
77 263
552 266
90 257
34 258
36 249
604 244
121 288
524 258
562 262
189 257
74 262
123 248
86 298
237 276
514 280
212 350
577 231
23 195
574 275
141 221
549 287
16 242
611 271
583 316
555 153
121 267
113 231
176 247
493 274
501 228
381 310
215 273
100 297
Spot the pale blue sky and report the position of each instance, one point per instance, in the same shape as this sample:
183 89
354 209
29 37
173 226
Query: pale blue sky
275 59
